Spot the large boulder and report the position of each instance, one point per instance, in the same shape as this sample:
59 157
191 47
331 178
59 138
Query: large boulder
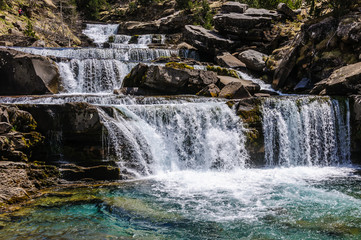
349 28
254 60
235 7
343 81
234 90
174 78
249 85
206 40
23 74
283 8
228 60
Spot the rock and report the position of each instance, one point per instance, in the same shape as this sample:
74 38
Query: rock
135 27
74 173
209 91
39 43
185 45
136 91
5 127
349 28
24 74
254 60
320 30
235 7
249 85
262 95
304 84
234 90
253 25
6 43
355 112
206 40
174 78
343 81
49 3
228 60
283 8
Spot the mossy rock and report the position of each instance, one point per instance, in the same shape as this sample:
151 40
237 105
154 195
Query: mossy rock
177 65
223 71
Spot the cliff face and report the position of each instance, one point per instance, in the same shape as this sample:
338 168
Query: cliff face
54 23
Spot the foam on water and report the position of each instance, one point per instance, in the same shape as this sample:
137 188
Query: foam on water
100 33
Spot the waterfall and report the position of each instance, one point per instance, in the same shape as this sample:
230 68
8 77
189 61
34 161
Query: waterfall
306 131
100 33
169 137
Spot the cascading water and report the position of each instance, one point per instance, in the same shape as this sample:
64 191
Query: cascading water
189 162
306 131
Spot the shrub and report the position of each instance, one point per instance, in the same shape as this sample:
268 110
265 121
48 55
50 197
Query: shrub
91 8
272 4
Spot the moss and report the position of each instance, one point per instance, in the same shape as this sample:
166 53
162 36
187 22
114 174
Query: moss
111 39
223 71
178 65
336 53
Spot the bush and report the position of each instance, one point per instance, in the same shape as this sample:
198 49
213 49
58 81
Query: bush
272 4
29 31
91 8
202 14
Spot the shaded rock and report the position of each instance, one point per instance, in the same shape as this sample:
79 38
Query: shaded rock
206 40
209 91
254 60
343 81
103 172
304 84
262 95
229 61
136 91
135 27
39 43
234 90
185 45
235 7
5 127
172 79
249 85
355 112
283 8
23 73
349 28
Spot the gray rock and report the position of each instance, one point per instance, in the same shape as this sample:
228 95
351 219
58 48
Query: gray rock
254 60
283 8
206 40
234 90
228 60
349 28
5 127
23 74
304 84
209 91
343 81
260 12
249 85
235 7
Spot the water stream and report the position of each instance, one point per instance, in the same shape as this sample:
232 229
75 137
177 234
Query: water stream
189 165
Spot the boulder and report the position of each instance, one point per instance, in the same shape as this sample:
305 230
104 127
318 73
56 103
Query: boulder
5 127
205 40
235 7
349 28
234 90
136 27
103 172
304 84
23 74
209 91
174 78
249 85
283 8
228 60
343 81
254 60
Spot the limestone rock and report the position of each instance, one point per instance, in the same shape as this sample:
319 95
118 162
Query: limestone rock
234 90
235 7
172 79
73 172
283 8
206 40
249 85
209 91
229 61
23 73
254 60
343 81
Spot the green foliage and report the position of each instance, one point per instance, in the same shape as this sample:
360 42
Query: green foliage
338 7
3 4
29 31
202 14
272 4
91 8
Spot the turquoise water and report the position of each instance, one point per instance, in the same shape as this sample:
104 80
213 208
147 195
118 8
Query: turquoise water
278 203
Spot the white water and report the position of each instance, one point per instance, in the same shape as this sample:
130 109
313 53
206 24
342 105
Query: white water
306 131
172 137
100 33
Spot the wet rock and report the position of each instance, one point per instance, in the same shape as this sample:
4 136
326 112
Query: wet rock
304 84
23 73
343 81
234 90
174 78
206 40
249 85
235 7
104 172
283 8
228 60
254 60
209 91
